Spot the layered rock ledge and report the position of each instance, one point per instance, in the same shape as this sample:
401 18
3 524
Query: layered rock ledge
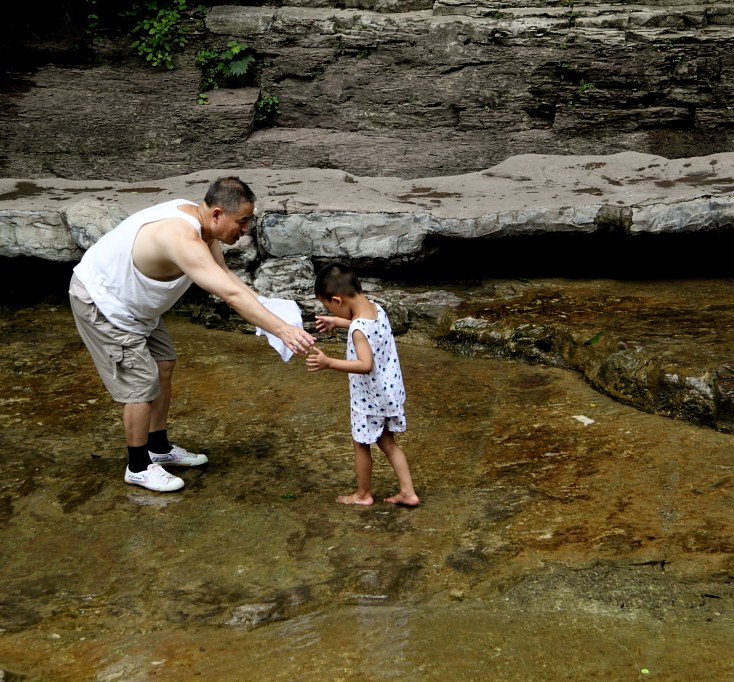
318 213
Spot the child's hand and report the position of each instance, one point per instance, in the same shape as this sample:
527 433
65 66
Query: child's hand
324 323
317 360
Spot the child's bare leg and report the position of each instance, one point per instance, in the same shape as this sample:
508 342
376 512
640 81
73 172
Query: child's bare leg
363 465
399 462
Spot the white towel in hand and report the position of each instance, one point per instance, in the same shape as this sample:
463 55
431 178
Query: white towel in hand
289 312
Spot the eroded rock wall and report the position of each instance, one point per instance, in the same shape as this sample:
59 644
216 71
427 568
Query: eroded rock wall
460 86
404 88
117 121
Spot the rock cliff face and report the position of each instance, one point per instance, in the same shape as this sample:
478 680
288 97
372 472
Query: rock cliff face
405 88
458 86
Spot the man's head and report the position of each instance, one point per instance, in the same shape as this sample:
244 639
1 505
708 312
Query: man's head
229 194
231 205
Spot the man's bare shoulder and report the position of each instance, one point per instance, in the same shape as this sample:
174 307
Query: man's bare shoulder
166 233
177 222
162 246
174 223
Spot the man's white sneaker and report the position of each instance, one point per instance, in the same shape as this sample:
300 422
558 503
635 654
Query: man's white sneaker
155 477
178 457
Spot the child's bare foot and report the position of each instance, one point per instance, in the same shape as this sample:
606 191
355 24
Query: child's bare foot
354 498
405 500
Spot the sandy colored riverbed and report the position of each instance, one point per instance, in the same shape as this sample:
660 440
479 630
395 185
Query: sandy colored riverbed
545 549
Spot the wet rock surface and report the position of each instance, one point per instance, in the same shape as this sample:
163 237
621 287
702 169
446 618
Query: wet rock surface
546 548
661 346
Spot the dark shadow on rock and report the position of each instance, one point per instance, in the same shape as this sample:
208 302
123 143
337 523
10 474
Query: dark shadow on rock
599 256
26 281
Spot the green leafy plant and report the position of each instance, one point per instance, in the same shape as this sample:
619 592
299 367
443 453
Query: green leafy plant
92 17
585 86
229 67
592 341
160 32
89 24
563 70
571 16
266 110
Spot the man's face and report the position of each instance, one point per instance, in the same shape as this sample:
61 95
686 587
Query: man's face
229 227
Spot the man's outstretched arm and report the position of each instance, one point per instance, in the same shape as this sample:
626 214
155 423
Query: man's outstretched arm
206 267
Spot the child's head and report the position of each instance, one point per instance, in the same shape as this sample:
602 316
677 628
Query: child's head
336 279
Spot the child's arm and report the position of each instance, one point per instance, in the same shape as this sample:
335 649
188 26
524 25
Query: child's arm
325 323
317 359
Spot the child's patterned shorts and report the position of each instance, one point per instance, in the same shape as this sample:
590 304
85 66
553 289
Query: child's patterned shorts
368 428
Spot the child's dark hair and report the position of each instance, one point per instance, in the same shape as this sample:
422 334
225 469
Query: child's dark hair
336 279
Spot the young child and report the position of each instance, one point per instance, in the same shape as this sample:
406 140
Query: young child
375 380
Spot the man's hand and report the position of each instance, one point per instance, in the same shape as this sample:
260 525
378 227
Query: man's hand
296 339
317 360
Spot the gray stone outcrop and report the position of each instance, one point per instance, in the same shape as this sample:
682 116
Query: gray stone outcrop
322 214
88 219
39 234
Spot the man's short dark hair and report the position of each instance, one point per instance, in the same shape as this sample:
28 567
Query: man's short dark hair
336 279
229 194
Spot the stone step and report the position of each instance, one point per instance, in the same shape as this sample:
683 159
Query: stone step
322 213
242 99
243 20
670 14
370 5
509 7
574 4
336 30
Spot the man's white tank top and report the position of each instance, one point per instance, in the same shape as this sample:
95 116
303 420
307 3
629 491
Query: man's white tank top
126 297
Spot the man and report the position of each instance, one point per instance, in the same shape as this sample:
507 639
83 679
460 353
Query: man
129 278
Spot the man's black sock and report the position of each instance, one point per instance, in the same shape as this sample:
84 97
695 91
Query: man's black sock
158 442
138 458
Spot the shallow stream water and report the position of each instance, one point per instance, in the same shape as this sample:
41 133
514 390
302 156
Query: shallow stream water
545 549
